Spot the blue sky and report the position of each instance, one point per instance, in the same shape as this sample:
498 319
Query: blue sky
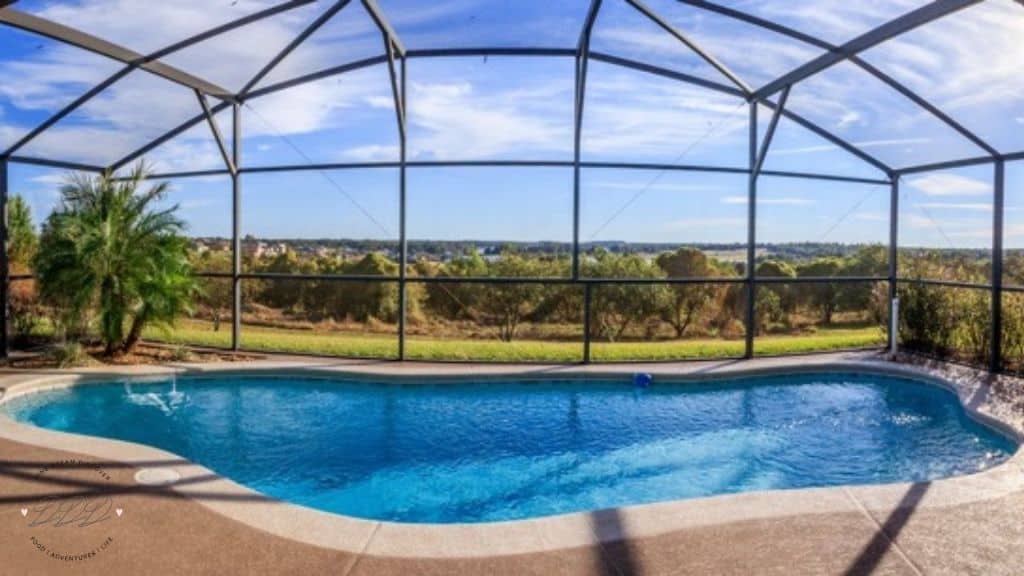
521 108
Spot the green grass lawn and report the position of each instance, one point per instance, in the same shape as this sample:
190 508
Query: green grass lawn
418 347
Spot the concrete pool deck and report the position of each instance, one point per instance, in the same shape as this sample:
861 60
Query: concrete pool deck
205 524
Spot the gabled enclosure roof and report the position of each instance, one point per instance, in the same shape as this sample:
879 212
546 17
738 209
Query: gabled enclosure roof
900 85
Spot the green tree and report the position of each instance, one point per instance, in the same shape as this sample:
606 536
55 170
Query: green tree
215 294
361 301
785 292
823 297
451 300
870 260
21 235
282 294
687 302
616 307
108 247
506 305
767 309
23 242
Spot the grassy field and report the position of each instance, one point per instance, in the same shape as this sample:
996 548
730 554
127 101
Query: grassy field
384 345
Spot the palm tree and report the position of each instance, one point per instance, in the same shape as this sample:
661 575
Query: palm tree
108 248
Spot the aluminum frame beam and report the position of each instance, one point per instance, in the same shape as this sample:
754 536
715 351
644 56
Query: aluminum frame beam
852 149
229 26
579 99
998 209
61 33
526 52
403 237
517 163
894 243
169 135
68 109
692 45
225 155
857 60
236 228
946 165
5 268
750 315
149 63
905 23
755 170
295 43
54 163
397 92
385 26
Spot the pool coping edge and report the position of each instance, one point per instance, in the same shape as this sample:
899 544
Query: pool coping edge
551 533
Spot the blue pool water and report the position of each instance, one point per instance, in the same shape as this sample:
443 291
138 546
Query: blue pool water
508 450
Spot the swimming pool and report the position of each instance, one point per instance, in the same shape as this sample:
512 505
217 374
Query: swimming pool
503 450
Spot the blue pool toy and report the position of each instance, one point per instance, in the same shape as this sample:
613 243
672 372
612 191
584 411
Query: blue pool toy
642 380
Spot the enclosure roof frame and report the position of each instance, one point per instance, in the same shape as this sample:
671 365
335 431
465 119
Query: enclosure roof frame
834 54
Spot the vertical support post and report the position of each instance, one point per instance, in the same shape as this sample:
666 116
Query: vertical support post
998 207
749 319
588 299
403 245
582 57
894 239
236 227
4 264
581 78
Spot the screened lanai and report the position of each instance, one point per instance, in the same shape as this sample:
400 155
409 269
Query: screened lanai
616 180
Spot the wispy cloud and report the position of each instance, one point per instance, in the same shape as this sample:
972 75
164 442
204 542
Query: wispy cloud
705 223
760 56
635 187
784 201
859 144
871 216
947 184
634 116
968 206
458 120
371 153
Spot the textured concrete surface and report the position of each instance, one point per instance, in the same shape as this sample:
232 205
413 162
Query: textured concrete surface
59 496
162 533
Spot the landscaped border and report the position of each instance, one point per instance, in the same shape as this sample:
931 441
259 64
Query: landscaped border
983 396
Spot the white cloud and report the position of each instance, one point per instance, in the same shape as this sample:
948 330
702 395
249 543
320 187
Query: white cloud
802 150
950 225
704 223
837 20
759 57
946 184
456 120
785 201
859 144
371 153
324 105
871 216
968 206
966 60
883 143
628 115
52 179
146 26
849 118
635 187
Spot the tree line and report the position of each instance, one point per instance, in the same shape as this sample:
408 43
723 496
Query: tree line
106 260
645 309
